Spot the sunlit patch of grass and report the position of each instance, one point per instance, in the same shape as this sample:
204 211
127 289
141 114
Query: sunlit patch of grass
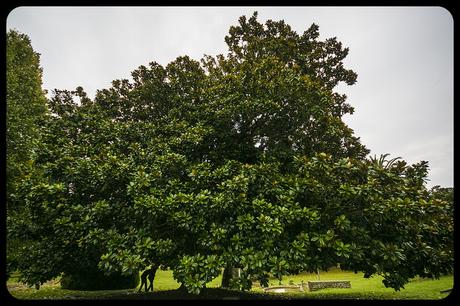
164 280
370 288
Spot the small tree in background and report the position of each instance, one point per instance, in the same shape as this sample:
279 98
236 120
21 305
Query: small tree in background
25 112
26 109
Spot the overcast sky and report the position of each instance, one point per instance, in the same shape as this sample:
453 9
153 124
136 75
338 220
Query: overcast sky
403 98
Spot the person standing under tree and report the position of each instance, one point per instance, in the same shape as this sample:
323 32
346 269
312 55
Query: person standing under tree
148 275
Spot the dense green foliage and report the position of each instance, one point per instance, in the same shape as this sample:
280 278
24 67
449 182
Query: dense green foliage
25 112
26 108
238 161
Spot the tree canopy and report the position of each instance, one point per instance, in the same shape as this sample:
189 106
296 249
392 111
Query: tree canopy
239 160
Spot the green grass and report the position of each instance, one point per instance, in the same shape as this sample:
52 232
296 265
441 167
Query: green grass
165 287
371 288
164 281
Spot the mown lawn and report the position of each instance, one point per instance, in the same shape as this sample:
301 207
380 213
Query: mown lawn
165 287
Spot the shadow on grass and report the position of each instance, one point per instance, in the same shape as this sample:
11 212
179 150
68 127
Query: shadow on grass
206 294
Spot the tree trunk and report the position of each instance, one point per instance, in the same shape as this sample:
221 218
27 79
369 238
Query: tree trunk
229 273
227 276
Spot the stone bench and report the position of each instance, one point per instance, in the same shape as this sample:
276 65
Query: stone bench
317 285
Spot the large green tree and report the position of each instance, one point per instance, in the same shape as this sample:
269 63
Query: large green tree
240 161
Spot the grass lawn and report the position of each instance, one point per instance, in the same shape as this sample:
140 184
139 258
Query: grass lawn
165 287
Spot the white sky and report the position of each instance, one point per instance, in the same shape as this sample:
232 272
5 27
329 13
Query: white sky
403 56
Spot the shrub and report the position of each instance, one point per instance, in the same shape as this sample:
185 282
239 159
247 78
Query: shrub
97 280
